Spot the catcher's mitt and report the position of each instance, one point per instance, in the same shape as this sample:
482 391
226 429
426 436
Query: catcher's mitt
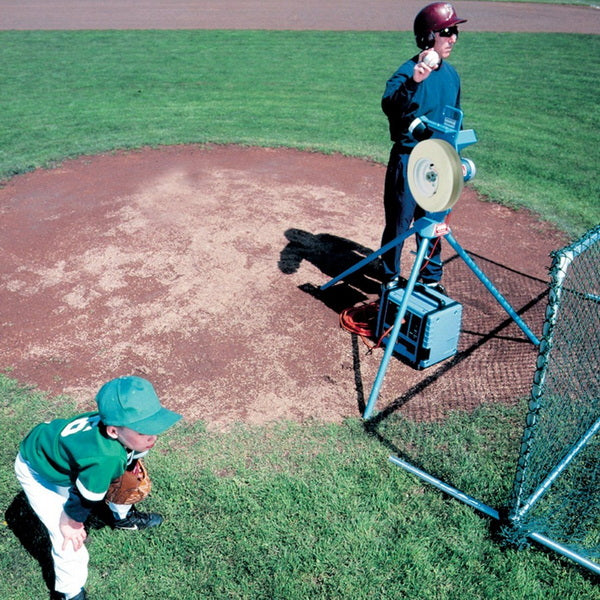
133 486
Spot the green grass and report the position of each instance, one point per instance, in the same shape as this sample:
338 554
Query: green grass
312 511
69 93
304 511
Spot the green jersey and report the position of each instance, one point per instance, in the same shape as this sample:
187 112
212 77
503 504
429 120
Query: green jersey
76 452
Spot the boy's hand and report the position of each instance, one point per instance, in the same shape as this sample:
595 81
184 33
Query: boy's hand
72 531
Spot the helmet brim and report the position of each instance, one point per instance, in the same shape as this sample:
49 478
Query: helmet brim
456 22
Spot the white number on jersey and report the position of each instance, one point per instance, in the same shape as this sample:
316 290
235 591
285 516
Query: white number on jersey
82 424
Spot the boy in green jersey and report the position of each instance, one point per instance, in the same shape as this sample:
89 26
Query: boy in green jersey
67 465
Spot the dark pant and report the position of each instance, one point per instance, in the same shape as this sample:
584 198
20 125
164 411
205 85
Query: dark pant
400 212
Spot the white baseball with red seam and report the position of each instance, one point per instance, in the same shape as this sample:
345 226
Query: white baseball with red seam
432 59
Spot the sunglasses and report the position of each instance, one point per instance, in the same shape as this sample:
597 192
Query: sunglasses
448 31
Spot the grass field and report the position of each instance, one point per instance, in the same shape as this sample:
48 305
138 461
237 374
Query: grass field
70 93
314 511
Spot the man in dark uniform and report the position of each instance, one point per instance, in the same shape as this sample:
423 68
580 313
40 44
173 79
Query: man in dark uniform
415 90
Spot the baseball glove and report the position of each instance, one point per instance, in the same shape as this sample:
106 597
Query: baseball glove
133 486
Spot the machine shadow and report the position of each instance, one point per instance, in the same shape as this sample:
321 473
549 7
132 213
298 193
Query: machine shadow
332 255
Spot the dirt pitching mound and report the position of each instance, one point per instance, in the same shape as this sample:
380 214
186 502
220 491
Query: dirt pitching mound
199 268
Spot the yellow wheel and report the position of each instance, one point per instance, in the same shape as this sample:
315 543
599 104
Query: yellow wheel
435 175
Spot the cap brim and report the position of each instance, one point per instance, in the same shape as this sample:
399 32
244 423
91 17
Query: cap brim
157 423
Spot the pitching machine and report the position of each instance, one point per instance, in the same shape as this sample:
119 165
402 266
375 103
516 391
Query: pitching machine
421 325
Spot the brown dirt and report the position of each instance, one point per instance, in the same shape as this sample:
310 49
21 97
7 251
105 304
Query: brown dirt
198 268
374 15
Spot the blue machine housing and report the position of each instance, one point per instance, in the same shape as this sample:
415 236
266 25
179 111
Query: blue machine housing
430 329
450 130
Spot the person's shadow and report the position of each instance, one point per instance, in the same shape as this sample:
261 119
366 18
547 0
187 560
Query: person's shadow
332 255
32 534
34 537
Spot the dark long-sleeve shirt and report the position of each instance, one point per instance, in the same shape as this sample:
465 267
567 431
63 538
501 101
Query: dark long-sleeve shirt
404 99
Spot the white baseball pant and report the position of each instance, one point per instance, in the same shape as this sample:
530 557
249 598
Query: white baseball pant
47 500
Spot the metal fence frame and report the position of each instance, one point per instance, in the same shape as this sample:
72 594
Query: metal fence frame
523 500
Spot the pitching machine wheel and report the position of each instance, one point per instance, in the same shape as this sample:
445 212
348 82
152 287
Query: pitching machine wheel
435 175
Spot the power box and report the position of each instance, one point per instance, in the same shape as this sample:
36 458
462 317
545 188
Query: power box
431 327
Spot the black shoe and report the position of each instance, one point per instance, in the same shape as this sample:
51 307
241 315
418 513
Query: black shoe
395 282
136 520
437 286
58 596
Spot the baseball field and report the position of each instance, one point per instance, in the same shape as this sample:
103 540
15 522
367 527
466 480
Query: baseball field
176 185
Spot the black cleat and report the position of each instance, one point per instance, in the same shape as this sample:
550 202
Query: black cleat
395 282
136 520
437 286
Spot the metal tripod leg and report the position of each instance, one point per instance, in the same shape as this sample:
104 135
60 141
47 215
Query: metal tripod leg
426 235
490 286
428 228
389 349
370 258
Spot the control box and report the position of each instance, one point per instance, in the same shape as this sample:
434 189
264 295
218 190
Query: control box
431 327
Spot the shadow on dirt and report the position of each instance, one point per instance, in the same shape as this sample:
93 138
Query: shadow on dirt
332 255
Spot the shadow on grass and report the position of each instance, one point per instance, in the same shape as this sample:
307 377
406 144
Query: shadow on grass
32 534
34 537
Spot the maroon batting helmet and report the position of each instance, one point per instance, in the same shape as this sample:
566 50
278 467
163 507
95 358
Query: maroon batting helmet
434 17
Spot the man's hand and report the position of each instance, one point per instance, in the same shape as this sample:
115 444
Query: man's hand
421 71
72 531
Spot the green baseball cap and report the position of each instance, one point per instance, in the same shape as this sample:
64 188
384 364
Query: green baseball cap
132 402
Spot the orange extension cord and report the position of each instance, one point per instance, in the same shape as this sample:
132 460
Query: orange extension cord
362 319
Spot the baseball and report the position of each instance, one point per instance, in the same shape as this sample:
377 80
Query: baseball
432 59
